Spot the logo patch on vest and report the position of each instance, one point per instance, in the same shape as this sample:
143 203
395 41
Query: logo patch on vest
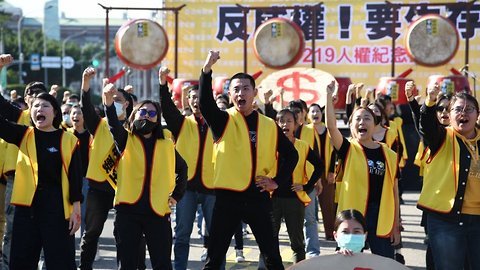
52 149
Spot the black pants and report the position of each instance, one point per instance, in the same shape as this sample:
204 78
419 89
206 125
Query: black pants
98 204
227 216
158 235
42 225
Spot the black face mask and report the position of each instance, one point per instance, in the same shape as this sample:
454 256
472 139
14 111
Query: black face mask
144 126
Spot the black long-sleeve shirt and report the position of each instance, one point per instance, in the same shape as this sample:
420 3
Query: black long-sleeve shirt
48 145
217 120
120 136
92 120
9 111
286 191
415 113
175 120
84 139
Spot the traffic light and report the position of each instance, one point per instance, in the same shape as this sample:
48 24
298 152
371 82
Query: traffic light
95 63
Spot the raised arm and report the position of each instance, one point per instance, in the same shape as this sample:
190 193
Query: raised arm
91 118
331 121
11 132
171 114
118 132
269 110
409 87
216 118
431 130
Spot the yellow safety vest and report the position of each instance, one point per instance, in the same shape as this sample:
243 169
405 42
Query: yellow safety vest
232 154
440 176
310 135
188 146
3 151
12 149
26 175
102 156
131 173
300 175
355 186
421 157
399 123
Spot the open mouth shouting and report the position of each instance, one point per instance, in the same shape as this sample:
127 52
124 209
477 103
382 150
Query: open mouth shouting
241 102
40 118
362 131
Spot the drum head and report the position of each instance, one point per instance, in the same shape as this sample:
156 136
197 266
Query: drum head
432 40
141 43
308 84
278 43
341 262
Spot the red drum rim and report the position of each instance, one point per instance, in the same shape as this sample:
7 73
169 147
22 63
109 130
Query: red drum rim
418 21
301 38
128 62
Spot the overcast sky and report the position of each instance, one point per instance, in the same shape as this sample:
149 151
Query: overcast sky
85 8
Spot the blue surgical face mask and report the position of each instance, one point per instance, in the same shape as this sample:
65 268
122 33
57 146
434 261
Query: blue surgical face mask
353 242
119 108
66 119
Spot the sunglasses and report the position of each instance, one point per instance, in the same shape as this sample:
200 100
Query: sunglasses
144 112
441 109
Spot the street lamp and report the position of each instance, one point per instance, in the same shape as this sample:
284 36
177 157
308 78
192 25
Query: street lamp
20 54
64 83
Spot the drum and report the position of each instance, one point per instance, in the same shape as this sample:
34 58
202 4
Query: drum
450 84
432 40
141 43
308 84
278 43
343 83
177 86
395 88
360 261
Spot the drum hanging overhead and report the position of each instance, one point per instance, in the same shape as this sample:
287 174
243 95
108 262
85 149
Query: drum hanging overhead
278 43
432 40
141 43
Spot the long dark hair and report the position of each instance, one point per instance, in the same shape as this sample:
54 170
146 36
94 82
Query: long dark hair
158 130
283 112
366 109
350 214
57 119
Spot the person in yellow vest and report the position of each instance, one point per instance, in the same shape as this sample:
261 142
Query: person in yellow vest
245 166
451 182
369 182
289 201
47 188
194 142
316 134
101 172
84 138
312 242
13 113
147 185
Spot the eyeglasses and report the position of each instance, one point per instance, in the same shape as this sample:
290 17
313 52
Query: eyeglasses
467 109
441 109
144 112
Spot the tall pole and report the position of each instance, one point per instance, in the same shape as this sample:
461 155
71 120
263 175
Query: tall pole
20 54
64 79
